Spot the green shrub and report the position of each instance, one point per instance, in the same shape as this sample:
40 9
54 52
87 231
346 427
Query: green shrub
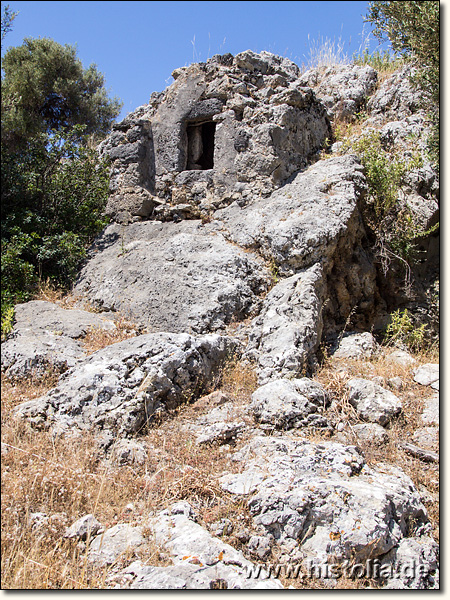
383 62
392 223
53 198
402 331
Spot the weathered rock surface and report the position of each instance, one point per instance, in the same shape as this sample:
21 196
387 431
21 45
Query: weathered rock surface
427 438
302 223
200 559
371 433
396 98
414 564
372 402
47 336
107 547
86 527
343 89
325 498
428 375
120 388
286 334
285 403
173 277
430 414
313 220
356 345
225 129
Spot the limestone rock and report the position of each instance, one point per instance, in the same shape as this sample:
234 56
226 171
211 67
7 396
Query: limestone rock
86 527
47 336
225 129
342 88
430 414
301 223
119 389
414 564
127 451
220 433
427 438
401 357
356 345
428 375
371 433
173 277
372 402
106 548
284 337
291 403
199 559
326 499
396 97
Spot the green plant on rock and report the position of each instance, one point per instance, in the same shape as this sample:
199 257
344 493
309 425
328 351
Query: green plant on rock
383 62
387 217
401 330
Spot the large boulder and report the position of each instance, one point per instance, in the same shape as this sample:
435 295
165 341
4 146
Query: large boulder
171 277
314 219
287 403
322 503
46 336
343 89
283 339
118 390
372 402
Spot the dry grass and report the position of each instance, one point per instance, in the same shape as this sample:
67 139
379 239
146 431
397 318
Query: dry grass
97 338
66 478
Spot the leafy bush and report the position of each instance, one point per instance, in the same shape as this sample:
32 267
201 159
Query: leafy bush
53 196
391 222
413 29
402 331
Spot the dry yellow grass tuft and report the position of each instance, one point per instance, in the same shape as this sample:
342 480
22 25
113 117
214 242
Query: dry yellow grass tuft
66 477
97 338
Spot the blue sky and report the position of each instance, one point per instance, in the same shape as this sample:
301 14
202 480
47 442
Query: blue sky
137 45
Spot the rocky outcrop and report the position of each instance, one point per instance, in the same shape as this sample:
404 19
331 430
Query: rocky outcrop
46 336
344 89
230 238
227 129
200 560
116 391
322 503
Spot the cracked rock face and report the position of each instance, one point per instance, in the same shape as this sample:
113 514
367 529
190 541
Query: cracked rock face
119 389
173 277
326 498
225 129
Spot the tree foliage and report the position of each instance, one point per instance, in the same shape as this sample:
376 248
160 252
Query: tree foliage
7 20
53 196
412 27
45 88
54 185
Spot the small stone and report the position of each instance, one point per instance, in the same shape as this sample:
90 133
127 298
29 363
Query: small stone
372 402
401 357
84 528
427 374
371 433
356 346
